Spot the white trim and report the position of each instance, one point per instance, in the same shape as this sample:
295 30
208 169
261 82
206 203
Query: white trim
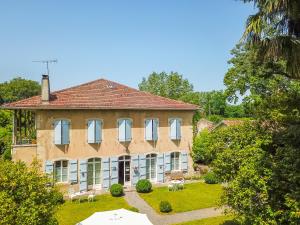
179 161
94 186
54 171
155 179
128 183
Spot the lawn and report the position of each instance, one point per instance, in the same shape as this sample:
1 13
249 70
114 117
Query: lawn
194 196
219 220
71 213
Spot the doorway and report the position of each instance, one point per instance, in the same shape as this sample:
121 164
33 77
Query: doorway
94 173
124 170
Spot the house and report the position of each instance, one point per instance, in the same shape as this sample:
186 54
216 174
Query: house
228 123
204 124
101 133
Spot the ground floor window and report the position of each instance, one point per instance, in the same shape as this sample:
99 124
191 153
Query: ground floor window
175 162
151 167
94 172
61 171
124 169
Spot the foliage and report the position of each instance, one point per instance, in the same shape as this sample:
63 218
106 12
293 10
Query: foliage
201 146
170 85
215 118
204 196
71 213
210 178
24 196
275 30
143 186
219 220
263 174
165 206
133 209
116 190
18 88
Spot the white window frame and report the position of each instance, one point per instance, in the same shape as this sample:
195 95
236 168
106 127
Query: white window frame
145 132
177 120
61 171
149 158
172 162
87 130
126 140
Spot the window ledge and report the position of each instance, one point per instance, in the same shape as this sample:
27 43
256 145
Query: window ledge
24 145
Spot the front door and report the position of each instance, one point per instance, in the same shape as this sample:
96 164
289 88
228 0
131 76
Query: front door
124 170
94 173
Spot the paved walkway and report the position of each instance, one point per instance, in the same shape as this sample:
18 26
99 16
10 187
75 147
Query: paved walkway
136 201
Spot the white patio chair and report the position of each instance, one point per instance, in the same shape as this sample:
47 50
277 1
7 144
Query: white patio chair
72 194
92 195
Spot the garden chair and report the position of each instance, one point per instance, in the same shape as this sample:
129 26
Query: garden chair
72 194
92 196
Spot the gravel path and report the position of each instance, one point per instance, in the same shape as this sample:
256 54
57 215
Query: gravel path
136 201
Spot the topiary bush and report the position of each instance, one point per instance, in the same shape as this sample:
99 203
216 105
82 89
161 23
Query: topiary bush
116 190
165 206
143 186
210 178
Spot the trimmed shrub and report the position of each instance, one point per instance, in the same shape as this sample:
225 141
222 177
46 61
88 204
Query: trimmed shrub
116 190
210 178
143 186
165 206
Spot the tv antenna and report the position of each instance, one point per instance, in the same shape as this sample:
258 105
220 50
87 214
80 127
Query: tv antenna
47 63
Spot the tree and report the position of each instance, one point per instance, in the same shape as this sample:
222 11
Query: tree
171 85
25 197
275 30
16 89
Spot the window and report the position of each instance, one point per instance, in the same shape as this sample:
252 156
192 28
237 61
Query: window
61 171
151 126
94 131
94 172
124 129
175 128
175 160
151 167
61 132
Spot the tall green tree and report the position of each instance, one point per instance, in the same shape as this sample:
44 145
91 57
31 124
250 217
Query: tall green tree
171 85
13 90
275 30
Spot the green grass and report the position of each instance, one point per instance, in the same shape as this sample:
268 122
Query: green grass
194 196
219 220
71 213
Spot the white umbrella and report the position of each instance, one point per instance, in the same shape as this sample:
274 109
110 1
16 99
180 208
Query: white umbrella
116 217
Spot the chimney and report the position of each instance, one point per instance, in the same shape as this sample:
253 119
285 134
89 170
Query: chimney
45 89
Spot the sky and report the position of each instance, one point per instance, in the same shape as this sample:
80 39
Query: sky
122 41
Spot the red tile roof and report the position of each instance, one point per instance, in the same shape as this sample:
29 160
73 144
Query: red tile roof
101 94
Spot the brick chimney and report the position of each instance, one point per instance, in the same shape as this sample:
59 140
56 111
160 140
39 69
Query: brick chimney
45 89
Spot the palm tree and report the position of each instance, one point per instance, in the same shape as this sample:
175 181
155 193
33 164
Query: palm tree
275 29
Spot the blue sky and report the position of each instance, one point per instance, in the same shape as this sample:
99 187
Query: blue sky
120 40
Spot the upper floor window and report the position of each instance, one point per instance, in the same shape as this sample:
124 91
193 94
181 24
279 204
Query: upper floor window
175 128
61 132
124 126
151 127
94 131
61 171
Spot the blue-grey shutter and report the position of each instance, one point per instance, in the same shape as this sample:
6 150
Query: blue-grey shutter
128 130
91 131
173 129
178 129
160 168
73 171
105 173
148 130
122 125
114 172
57 132
142 166
83 175
155 129
184 161
49 168
65 132
135 171
167 162
98 131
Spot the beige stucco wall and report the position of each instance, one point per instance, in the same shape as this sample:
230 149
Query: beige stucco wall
25 153
110 146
